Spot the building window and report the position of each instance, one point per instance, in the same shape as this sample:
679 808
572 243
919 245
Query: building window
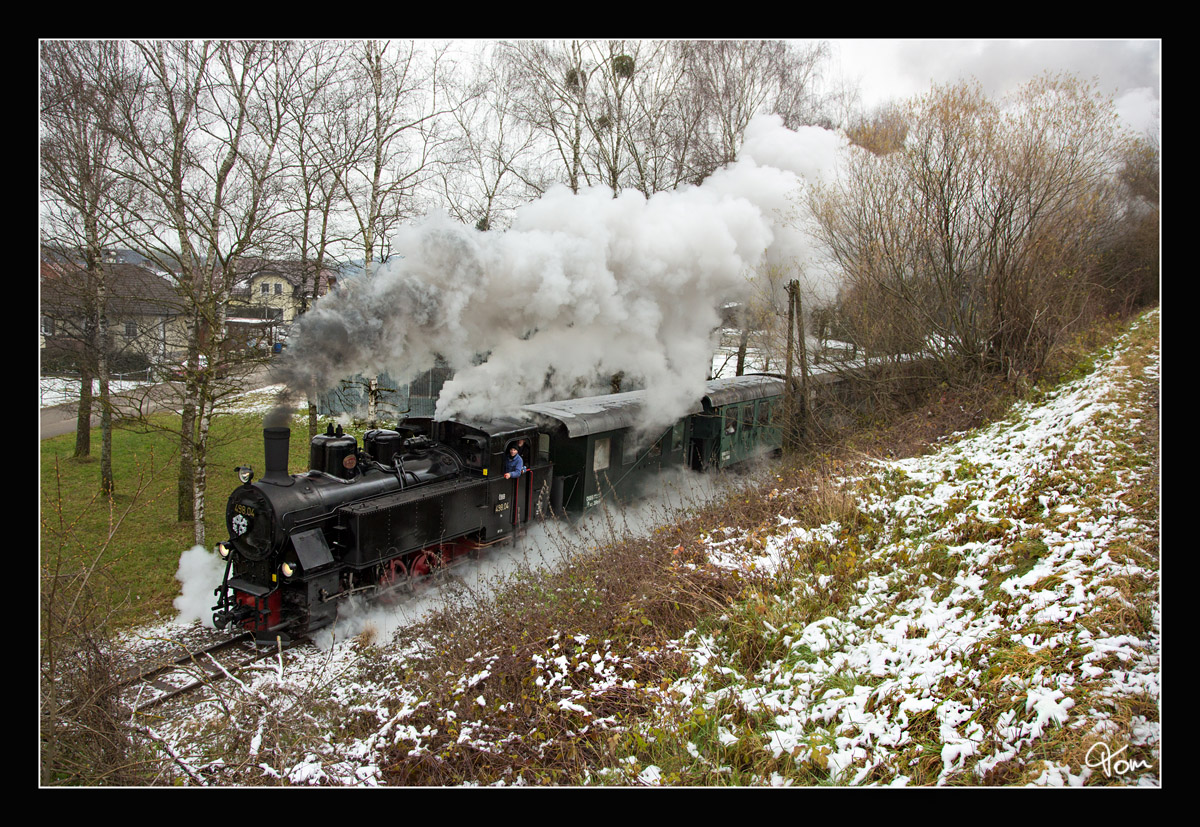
47 326
278 288
131 329
266 289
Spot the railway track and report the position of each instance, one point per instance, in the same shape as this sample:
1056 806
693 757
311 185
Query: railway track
166 680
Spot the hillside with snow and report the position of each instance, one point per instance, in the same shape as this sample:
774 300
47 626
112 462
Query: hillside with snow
1017 579
986 613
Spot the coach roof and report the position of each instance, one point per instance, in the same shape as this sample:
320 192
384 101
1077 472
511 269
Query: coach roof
598 414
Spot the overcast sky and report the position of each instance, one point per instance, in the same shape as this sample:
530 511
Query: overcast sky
886 69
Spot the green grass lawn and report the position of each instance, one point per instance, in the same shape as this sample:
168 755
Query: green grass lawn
134 540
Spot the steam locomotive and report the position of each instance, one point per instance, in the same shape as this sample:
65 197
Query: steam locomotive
373 520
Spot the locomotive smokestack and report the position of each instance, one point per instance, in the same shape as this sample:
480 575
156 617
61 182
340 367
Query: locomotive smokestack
276 441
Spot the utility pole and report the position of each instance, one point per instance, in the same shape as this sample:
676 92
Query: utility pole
790 437
796 410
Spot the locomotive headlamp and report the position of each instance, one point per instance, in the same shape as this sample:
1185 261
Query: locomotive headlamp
245 473
287 570
223 551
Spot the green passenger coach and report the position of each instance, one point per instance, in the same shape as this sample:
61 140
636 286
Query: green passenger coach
742 419
598 449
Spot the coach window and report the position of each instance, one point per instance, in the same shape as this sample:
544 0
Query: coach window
630 450
600 454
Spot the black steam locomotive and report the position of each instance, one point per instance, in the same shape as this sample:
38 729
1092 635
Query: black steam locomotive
372 520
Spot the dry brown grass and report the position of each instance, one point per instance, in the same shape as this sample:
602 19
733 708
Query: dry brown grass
637 593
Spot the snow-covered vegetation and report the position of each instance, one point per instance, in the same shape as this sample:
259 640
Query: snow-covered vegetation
1004 608
987 613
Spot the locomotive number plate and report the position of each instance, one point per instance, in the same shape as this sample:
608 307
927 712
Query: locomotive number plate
502 507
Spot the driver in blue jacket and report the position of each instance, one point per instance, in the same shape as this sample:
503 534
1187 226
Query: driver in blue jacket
514 465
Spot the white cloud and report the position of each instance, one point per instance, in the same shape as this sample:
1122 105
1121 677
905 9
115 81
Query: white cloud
1130 70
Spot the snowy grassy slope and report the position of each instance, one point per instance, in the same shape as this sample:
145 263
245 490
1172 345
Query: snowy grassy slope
985 614
1002 620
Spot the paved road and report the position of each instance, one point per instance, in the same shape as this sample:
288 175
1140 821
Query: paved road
60 419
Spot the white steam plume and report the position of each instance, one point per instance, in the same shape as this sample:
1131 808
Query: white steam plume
199 572
582 287
543 546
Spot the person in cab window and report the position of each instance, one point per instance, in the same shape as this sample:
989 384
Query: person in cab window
514 465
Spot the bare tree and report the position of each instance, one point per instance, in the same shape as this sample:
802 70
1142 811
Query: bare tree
199 139
664 131
1052 210
486 175
550 86
612 109
980 239
316 159
653 115
79 188
880 131
393 123
608 112
731 81
1131 264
